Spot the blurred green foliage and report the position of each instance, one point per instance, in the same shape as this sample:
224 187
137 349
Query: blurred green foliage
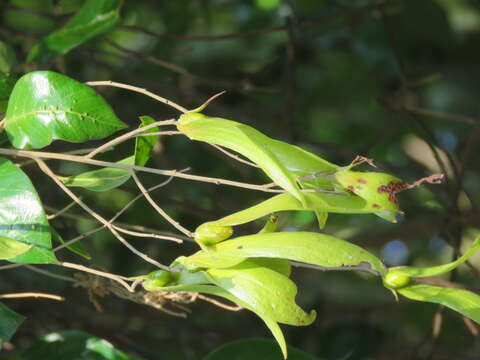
389 80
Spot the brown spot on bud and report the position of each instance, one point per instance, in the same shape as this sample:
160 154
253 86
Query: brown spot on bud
240 247
376 206
362 181
351 188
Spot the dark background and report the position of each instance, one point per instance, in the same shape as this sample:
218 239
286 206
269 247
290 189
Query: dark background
396 81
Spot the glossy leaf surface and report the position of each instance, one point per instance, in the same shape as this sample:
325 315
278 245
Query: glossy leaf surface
255 349
10 248
101 180
45 106
312 248
95 17
22 217
282 162
413 271
9 323
265 290
73 345
465 302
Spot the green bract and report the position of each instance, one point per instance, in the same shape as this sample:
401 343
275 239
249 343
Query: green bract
395 280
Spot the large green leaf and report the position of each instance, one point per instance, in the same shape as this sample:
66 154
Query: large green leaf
282 162
95 17
463 301
9 323
217 291
412 271
45 106
313 248
265 290
73 345
10 248
101 180
22 217
255 349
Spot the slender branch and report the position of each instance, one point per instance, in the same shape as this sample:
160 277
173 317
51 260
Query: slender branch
127 136
219 303
233 156
158 208
174 173
43 166
30 295
140 91
49 273
62 211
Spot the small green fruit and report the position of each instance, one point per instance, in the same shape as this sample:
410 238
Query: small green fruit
209 234
396 280
157 279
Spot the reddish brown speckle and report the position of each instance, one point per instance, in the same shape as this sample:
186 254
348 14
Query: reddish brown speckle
351 188
240 247
362 181
392 189
376 206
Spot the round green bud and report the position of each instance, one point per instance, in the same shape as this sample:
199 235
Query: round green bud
157 279
396 280
209 234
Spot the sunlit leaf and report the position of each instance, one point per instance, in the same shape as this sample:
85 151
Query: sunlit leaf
9 323
73 345
144 144
312 248
22 217
413 271
465 302
95 17
45 106
282 162
10 248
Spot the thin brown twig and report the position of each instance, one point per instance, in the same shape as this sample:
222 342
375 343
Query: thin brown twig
159 209
140 91
44 167
128 135
62 211
49 273
219 303
31 295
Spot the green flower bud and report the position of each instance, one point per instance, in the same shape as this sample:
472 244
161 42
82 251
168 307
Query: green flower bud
396 280
210 233
157 279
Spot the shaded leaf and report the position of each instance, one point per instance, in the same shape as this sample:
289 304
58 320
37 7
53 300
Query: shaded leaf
45 106
73 345
22 217
10 248
7 82
144 144
463 301
312 248
9 323
8 59
100 180
76 248
255 349
95 17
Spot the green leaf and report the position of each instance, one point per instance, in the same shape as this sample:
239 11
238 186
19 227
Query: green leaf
463 301
45 106
73 345
412 271
265 290
100 180
217 291
144 144
334 203
282 162
10 248
9 323
8 59
76 248
7 82
22 217
94 18
255 349
312 248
